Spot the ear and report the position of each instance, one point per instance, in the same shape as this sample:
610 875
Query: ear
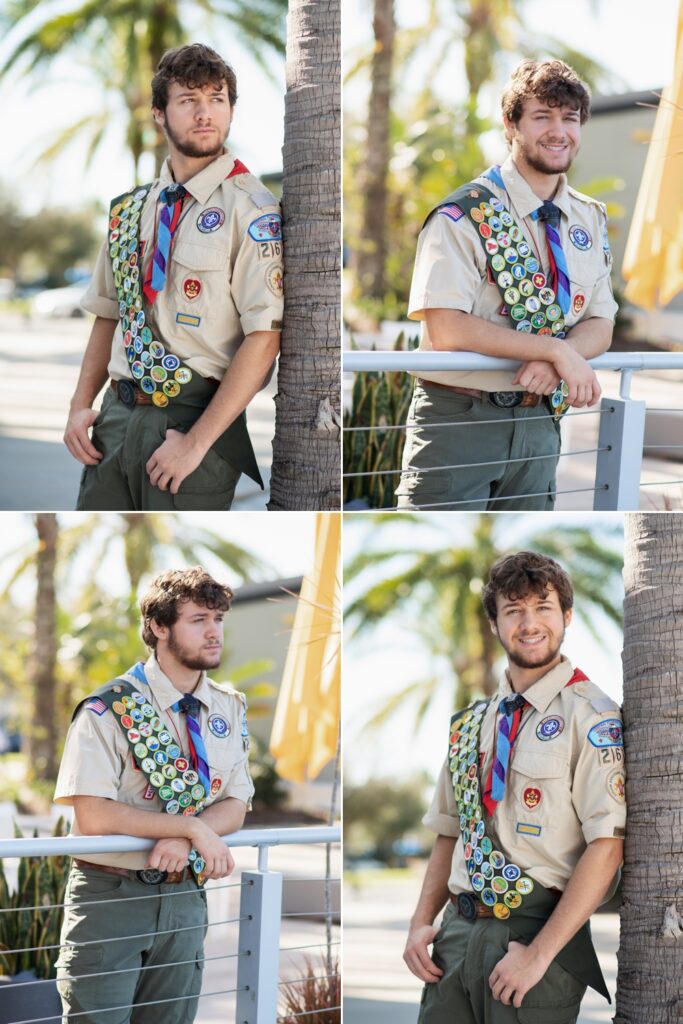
159 116
494 626
160 632
509 127
568 616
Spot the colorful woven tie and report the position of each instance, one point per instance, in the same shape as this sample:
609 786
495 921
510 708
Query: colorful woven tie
191 707
559 272
511 709
172 197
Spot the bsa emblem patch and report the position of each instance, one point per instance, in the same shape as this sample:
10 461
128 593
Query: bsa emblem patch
532 797
608 733
550 727
218 726
210 220
580 238
616 786
267 228
216 783
191 287
274 280
578 303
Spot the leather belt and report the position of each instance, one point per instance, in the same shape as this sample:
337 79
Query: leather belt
148 876
467 905
501 399
129 393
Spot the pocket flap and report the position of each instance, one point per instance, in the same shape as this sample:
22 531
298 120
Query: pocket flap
537 765
199 257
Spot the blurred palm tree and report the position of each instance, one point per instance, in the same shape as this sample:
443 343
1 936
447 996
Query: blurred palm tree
124 41
439 591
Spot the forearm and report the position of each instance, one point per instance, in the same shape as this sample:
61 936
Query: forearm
98 816
435 890
93 374
225 816
586 889
453 330
242 380
591 337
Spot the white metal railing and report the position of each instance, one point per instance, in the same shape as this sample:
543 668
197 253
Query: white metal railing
621 438
260 912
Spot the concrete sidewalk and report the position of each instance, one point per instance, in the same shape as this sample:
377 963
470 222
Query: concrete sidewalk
39 364
379 988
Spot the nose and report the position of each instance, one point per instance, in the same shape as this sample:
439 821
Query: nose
202 110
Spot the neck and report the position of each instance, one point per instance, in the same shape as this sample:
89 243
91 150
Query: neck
522 678
542 185
184 679
185 167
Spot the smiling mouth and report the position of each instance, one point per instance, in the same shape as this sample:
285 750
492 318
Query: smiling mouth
554 148
531 641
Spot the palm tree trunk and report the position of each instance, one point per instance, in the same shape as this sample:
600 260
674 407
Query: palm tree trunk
306 458
649 983
372 252
40 734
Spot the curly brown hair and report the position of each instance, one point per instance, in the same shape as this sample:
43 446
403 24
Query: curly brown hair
526 572
194 66
551 81
176 587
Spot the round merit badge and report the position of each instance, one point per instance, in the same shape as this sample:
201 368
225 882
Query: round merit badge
550 727
210 220
580 237
218 726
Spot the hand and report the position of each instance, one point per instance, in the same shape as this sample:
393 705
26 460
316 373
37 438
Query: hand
175 459
77 438
513 976
538 377
575 371
219 860
170 854
416 956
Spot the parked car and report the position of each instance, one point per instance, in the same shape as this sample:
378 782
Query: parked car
60 302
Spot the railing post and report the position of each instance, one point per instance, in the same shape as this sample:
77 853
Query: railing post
622 432
259 947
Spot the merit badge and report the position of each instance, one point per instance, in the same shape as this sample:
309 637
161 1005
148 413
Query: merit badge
266 228
218 726
580 237
550 727
191 287
578 303
274 279
616 786
608 733
531 797
210 220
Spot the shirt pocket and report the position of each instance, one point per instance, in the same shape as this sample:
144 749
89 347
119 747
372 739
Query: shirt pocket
201 275
540 791
583 277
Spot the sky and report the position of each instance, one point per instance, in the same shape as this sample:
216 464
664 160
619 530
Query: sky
391 658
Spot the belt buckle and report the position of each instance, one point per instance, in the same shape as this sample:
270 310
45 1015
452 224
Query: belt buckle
467 906
126 392
506 399
151 876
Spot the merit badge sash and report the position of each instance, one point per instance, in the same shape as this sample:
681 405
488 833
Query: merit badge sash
497 882
525 291
158 373
157 755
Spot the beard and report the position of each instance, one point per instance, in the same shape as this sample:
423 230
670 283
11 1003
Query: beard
197 661
539 164
192 149
522 661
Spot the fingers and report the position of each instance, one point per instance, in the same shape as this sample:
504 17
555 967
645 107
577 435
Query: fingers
421 965
81 447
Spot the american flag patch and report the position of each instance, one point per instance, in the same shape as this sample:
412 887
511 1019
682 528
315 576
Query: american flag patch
96 705
452 211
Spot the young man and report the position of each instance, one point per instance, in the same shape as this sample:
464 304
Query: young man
160 753
517 265
187 294
529 812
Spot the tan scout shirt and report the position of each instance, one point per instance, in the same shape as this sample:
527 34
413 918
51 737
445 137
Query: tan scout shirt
98 761
451 272
561 792
223 284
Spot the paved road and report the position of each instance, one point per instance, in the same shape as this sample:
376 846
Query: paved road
39 363
379 989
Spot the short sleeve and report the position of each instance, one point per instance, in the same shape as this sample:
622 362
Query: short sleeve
602 302
599 787
239 783
449 265
258 273
100 296
93 761
442 816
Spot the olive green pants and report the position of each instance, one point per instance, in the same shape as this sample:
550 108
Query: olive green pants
125 937
119 482
467 952
505 439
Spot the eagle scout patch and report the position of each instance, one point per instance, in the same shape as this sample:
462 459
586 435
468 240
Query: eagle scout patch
578 303
616 786
580 238
267 228
191 287
216 782
550 727
532 797
210 220
607 734
218 726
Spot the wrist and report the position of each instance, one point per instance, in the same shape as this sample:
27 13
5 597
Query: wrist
539 956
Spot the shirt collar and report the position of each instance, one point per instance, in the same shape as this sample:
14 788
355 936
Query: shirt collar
165 693
524 199
202 186
544 690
